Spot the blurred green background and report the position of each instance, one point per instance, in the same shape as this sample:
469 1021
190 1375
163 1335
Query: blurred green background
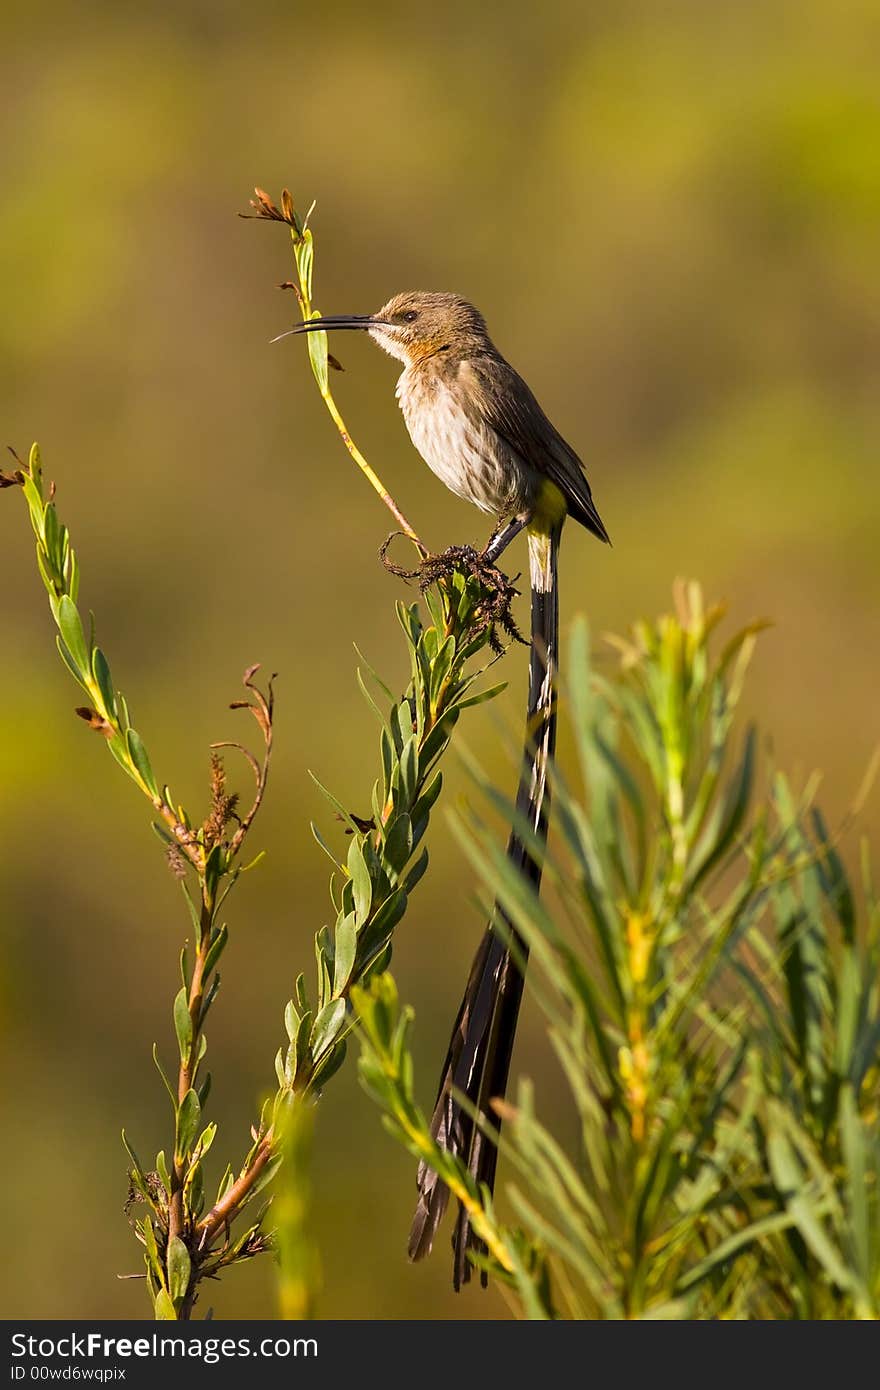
669 215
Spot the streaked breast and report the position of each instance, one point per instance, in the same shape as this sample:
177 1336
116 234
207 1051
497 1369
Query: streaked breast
469 458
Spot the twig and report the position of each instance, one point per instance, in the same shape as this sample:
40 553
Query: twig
301 237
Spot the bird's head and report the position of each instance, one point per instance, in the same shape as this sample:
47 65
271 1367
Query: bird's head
414 325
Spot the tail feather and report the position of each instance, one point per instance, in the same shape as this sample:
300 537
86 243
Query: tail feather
478 1060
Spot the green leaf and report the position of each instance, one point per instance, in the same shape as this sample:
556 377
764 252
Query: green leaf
319 840
185 974
104 682
368 696
216 949
205 1140
728 815
215 865
300 1050
398 842
188 1116
164 1308
408 773
71 665
135 1161
138 754
161 1070
441 667
305 257
859 1186
162 1170
52 538
802 1204
337 805
346 949
326 1026
291 1019
183 1024
726 1249
389 761
833 877
360 880
34 499
417 871
384 920
374 675
193 912
425 804
71 628
481 697
179 1268
152 1258
267 1174
328 1065
72 571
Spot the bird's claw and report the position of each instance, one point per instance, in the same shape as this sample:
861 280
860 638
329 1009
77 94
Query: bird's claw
498 591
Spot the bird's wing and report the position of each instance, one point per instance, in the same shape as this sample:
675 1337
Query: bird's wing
508 406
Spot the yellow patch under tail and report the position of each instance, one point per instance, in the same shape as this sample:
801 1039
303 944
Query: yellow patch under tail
550 507
547 518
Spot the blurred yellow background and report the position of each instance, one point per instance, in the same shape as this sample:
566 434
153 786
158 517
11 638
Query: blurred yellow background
669 215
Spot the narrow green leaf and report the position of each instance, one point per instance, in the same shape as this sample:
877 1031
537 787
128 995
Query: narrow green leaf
36 506
104 682
337 805
188 1116
319 840
183 1024
179 1268
216 949
71 665
141 761
162 1170
52 538
301 1044
328 1065
398 842
267 1174
161 1070
408 774
416 872
346 949
481 697
788 1176
859 1187
136 1163
71 628
164 1308
360 880
327 1026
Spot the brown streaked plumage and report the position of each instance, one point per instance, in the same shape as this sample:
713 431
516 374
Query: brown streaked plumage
482 432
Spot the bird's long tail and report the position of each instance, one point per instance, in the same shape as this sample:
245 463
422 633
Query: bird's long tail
478 1061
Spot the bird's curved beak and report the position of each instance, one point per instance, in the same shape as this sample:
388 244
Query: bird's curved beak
330 321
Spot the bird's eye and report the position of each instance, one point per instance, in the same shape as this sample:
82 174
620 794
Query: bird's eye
410 316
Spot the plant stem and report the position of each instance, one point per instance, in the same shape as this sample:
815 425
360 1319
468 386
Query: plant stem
372 477
225 1210
189 1063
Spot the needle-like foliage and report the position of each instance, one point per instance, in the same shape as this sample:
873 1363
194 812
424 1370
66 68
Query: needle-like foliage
712 994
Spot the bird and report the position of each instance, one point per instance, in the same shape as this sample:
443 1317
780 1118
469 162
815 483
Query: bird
480 429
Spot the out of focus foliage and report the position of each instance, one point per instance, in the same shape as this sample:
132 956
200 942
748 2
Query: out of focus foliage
709 981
